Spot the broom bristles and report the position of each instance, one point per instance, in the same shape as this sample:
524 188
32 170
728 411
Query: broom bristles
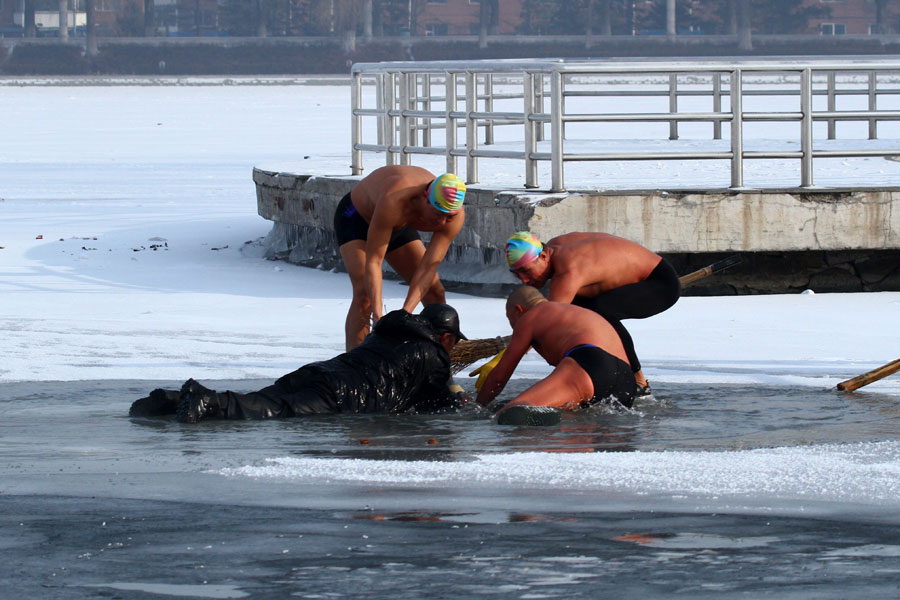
467 352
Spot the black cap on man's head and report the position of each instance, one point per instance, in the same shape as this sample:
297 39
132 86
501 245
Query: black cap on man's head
443 318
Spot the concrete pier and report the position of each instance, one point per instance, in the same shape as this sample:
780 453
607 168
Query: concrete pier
825 240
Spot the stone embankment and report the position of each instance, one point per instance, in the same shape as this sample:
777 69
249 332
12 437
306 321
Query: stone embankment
790 241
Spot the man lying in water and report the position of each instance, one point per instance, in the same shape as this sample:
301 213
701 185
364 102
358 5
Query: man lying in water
591 365
402 366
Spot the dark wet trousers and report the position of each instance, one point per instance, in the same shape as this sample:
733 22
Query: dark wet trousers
293 395
659 291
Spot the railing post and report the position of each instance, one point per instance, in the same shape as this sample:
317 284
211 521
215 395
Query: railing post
556 132
450 120
531 172
873 104
806 146
356 163
471 128
489 107
426 105
673 105
412 103
717 104
832 104
389 101
539 103
379 104
561 109
735 91
404 119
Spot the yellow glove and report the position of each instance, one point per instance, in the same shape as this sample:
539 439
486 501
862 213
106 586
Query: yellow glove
484 370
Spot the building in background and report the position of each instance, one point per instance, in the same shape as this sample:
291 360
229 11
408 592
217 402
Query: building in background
463 17
46 17
7 21
448 17
857 17
186 17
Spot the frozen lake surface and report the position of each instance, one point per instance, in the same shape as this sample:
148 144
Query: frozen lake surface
130 259
699 491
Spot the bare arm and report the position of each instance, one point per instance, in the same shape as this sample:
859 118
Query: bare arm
499 376
378 238
427 268
563 288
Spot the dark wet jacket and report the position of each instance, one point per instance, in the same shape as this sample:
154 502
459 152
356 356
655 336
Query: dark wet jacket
399 367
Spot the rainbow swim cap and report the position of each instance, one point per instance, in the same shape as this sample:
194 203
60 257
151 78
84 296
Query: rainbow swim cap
446 193
521 249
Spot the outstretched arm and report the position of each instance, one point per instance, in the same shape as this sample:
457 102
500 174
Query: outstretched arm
427 268
378 238
563 288
499 376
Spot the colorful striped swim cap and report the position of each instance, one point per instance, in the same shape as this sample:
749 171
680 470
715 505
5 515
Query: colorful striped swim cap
447 193
521 249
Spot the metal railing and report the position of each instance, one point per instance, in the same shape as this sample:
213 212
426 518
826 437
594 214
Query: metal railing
420 108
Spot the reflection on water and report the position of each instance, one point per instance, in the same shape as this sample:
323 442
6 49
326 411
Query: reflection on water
164 589
282 552
693 540
463 517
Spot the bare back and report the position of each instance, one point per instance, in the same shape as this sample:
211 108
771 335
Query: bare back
552 329
555 328
589 264
392 191
389 199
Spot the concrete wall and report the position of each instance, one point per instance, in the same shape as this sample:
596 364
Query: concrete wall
750 221
850 236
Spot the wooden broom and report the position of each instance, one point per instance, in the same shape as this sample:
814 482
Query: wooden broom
467 352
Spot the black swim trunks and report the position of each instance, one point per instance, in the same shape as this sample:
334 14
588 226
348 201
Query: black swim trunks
651 296
349 225
611 376
659 291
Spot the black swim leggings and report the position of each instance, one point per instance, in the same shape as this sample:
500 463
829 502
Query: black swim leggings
296 394
659 291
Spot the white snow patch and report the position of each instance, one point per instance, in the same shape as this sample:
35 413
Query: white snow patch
862 473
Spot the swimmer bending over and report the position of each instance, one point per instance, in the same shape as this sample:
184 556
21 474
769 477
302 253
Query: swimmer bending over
590 360
380 219
614 277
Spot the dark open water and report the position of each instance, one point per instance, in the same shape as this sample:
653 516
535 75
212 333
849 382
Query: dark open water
715 491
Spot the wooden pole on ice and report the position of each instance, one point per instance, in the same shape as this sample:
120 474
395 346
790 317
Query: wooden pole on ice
869 377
